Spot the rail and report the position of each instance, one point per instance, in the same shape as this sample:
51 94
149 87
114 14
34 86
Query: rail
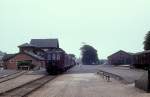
12 76
27 88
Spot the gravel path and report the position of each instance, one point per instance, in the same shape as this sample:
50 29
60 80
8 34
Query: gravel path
74 84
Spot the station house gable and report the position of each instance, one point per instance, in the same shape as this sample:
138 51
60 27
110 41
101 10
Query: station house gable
35 52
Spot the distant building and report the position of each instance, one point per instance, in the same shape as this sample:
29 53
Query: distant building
120 58
35 53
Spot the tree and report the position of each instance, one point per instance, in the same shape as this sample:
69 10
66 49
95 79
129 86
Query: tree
89 55
72 55
147 41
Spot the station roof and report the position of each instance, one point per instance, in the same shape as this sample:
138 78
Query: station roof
45 43
27 45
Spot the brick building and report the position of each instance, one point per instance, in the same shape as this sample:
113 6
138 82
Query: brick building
30 54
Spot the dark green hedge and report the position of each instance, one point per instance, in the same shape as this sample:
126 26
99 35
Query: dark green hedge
26 63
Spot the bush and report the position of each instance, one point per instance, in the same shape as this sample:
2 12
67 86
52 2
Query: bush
26 63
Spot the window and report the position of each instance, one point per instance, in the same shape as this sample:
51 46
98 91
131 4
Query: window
49 57
53 56
58 56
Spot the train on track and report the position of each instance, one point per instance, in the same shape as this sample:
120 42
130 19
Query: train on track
58 61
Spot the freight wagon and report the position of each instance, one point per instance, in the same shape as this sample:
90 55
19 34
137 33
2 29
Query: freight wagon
58 61
142 60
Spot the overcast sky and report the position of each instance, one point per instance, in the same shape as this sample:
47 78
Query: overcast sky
108 25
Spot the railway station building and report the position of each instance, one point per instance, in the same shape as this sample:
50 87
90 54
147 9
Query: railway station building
31 55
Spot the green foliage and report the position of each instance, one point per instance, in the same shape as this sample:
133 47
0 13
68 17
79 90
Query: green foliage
72 55
147 41
26 63
89 55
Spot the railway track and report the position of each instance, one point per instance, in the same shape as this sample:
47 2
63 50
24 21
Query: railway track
8 74
27 88
11 76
